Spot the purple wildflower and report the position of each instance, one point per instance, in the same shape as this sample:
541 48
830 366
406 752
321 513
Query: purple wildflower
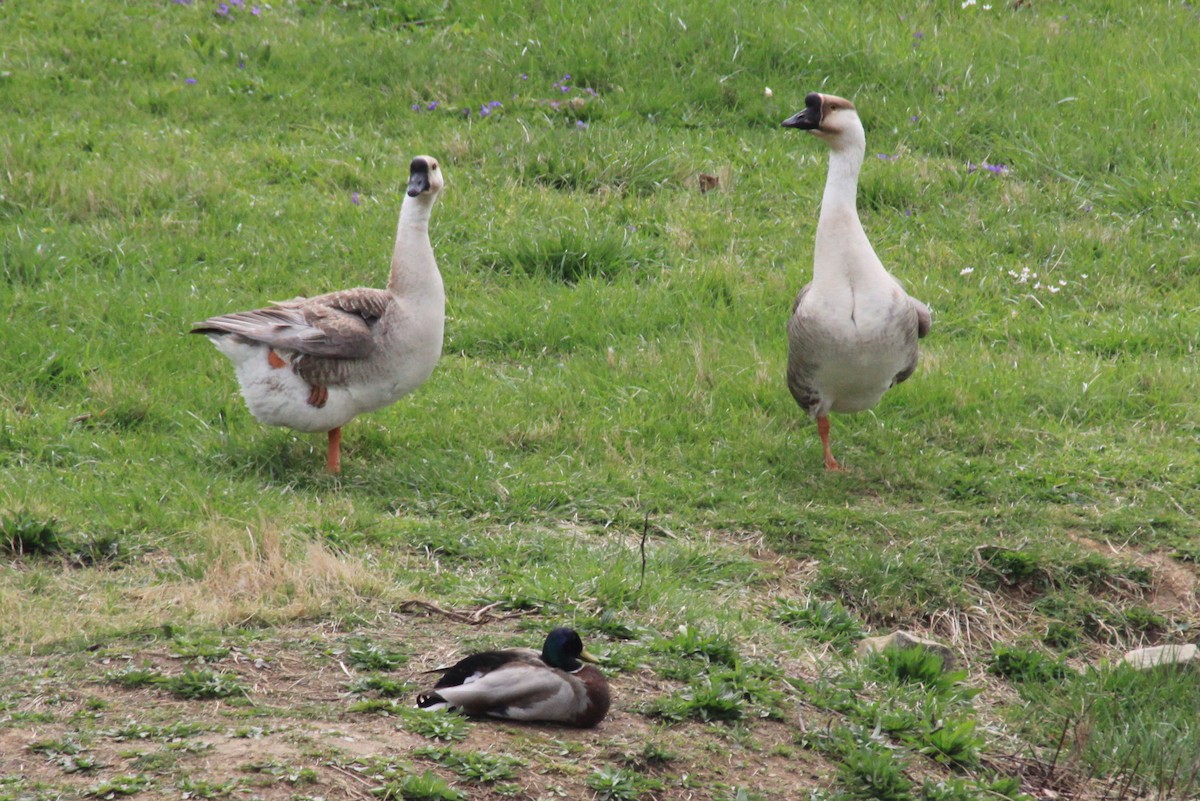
255 10
996 169
495 104
554 104
416 106
189 81
524 76
914 118
432 106
564 88
183 2
581 125
223 10
241 64
919 35
354 198
484 110
886 157
237 3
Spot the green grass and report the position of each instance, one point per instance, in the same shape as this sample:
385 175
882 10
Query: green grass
608 439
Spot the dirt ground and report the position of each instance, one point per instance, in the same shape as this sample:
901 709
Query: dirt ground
68 731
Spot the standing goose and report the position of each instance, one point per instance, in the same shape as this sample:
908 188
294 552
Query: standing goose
313 364
521 684
853 331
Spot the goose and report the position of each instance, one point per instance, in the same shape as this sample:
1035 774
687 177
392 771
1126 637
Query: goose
313 364
521 684
853 331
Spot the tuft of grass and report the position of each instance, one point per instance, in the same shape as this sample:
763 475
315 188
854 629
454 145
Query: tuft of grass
427 786
1129 726
474 766
619 784
690 642
826 622
23 533
383 687
119 786
873 774
1023 665
436 724
916 665
374 657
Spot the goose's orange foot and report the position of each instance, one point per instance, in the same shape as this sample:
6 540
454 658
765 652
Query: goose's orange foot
823 432
318 396
275 360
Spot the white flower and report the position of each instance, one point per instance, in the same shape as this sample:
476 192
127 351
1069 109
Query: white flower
768 93
1053 289
968 3
966 271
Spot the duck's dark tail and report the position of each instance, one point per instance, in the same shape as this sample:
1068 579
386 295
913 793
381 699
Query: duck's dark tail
431 700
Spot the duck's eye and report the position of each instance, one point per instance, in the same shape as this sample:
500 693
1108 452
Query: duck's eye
434 166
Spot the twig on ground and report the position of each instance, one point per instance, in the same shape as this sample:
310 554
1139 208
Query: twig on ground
476 617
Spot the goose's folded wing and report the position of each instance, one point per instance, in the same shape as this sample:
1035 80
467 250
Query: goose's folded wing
337 325
924 318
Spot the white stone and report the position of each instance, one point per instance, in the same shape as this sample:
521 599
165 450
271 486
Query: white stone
1143 658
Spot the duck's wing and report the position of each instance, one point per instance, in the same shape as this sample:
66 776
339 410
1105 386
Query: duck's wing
338 325
519 691
476 666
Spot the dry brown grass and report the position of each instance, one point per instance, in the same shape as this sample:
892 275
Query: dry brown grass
261 574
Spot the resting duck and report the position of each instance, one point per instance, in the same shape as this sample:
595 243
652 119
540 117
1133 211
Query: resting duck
853 331
313 364
521 684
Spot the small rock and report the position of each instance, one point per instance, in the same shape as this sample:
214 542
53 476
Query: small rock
1144 658
903 639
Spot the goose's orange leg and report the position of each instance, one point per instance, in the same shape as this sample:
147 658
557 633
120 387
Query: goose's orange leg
333 461
823 431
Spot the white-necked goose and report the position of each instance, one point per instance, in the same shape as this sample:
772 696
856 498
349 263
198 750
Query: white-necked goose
313 364
853 330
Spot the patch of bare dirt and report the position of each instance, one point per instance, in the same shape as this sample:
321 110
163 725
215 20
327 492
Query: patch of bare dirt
66 728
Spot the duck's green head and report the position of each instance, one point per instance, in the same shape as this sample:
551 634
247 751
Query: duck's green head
563 649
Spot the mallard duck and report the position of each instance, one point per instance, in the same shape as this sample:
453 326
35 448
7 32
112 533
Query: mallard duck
313 364
853 331
521 684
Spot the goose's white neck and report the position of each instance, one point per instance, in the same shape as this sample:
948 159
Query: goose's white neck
843 252
414 269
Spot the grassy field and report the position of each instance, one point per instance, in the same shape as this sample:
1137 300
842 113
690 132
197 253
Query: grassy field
191 608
